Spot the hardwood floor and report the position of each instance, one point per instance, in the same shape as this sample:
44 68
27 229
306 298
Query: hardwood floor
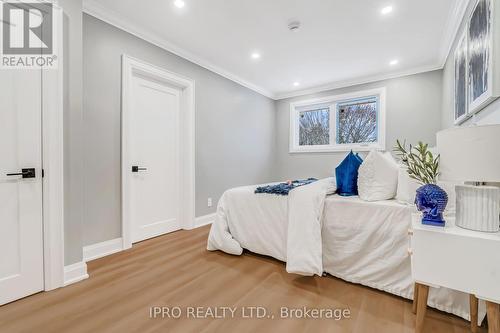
176 270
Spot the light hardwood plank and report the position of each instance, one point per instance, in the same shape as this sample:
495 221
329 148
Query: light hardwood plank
493 317
423 293
177 270
474 306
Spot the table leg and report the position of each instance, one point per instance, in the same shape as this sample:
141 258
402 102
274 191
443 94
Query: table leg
493 310
423 293
415 298
473 303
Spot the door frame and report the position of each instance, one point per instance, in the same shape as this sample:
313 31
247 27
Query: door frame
130 67
53 163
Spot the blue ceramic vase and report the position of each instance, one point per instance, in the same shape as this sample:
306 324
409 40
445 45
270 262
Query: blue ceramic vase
431 200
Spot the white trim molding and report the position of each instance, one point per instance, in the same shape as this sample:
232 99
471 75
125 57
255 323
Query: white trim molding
97 10
332 102
99 250
53 165
204 220
75 273
357 81
131 67
452 28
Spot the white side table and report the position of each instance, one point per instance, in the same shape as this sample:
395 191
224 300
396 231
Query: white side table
459 259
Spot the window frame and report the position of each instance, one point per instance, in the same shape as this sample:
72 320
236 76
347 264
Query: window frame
300 106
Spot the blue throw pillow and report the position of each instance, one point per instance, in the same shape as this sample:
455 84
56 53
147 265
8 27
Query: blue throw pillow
347 175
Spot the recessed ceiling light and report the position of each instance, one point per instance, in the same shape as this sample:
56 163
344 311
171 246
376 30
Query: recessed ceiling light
296 84
179 3
386 10
394 62
255 55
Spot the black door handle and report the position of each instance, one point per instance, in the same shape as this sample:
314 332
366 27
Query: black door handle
26 173
135 168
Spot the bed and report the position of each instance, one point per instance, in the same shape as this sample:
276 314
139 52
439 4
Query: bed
316 231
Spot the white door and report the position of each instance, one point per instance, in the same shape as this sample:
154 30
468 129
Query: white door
21 242
154 156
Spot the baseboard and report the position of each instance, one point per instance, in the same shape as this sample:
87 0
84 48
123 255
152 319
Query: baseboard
99 250
204 220
75 273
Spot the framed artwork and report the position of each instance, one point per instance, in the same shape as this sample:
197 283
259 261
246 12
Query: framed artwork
461 92
482 32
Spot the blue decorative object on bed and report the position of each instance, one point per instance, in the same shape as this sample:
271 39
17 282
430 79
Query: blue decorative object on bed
284 188
346 175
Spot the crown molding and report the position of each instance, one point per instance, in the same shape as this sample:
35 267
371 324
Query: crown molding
357 81
93 8
452 28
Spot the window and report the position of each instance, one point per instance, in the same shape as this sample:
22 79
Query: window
357 121
314 127
339 123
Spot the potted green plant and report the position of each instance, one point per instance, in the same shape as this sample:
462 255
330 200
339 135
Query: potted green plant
423 166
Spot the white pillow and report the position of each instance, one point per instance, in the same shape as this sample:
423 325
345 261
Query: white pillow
407 187
378 177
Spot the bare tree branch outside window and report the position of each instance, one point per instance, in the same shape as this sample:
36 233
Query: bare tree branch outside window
314 127
357 122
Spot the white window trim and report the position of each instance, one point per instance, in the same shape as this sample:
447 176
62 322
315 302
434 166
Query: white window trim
381 122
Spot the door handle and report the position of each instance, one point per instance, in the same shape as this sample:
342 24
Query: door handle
135 168
26 173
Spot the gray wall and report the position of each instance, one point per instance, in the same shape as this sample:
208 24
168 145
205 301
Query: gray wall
489 115
413 112
241 136
73 154
234 128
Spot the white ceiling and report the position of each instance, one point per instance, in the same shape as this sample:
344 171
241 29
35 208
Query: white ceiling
340 42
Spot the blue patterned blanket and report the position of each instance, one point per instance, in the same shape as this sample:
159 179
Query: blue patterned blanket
284 188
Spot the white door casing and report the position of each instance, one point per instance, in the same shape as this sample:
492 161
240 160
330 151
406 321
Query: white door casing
53 160
157 116
21 225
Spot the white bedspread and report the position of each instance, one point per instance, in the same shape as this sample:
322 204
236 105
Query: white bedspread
358 241
367 243
287 228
